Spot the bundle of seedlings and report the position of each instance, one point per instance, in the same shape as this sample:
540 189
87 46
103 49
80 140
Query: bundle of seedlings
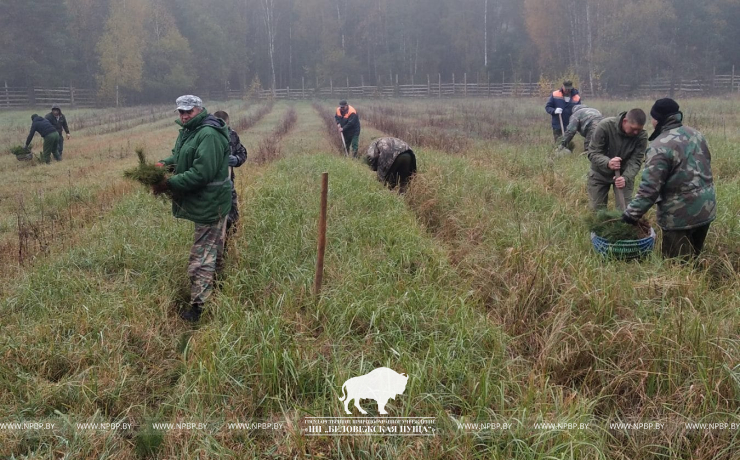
146 173
21 153
609 225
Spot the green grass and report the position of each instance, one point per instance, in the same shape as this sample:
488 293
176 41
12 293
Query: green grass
480 284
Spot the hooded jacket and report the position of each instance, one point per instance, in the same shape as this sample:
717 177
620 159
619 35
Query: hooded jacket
39 125
60 124
201 186
677 176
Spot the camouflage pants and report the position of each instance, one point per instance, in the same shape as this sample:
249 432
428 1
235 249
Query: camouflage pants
205 255
599 186
684 243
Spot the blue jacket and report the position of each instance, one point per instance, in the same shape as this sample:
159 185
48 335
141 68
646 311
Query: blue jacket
558 101
41 126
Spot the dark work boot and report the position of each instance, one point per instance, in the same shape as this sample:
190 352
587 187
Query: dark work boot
193 313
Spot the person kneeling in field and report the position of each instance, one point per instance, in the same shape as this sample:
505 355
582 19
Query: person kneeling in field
201 192
678 176
394 161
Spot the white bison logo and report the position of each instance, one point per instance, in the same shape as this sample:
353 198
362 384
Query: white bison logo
381 385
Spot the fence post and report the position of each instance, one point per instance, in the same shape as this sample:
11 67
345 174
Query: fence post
488 83
465 84
398 90
71 95
503 81
453 83
303 88
7 96
331 87
732 80
429 86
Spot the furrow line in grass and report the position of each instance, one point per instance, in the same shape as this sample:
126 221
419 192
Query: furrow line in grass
541 284
330 128
269 148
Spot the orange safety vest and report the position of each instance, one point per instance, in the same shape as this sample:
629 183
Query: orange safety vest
349 112
559 95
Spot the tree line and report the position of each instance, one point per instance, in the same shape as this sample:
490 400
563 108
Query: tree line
150 50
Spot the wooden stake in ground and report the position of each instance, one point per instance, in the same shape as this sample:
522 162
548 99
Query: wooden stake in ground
318 278
619 193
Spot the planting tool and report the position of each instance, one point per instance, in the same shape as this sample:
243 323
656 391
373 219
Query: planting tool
344 144
619 193
562 128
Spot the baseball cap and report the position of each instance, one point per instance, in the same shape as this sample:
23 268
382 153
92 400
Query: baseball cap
567 84
342 103
188 101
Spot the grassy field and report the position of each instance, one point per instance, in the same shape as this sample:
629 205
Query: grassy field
480 284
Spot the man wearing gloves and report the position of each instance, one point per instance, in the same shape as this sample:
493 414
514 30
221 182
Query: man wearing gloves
678 176
561 104
201 192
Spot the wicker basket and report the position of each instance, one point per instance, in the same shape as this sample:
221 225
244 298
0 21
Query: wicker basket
624 249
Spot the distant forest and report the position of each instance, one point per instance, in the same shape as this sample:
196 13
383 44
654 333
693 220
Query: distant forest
156 49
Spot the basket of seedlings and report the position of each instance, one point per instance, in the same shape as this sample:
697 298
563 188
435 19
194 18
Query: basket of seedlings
612 237
146 173
21 153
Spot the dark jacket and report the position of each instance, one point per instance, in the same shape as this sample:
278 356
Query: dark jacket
238 154
200 159
41 126
350 122
678 176
557 101
608 141
59 125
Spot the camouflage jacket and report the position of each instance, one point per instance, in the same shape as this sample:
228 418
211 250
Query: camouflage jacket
582 121
238 154
608 141
678 176
383 152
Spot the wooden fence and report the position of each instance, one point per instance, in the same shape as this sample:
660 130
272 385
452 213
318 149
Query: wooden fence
77 97
63 96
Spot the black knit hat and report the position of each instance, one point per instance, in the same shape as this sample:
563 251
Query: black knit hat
663 108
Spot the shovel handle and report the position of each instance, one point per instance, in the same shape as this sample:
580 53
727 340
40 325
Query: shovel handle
619 193
562 128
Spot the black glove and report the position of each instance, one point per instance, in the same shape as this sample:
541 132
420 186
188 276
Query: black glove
160 187
627 219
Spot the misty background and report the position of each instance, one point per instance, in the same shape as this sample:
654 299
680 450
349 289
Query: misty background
154 50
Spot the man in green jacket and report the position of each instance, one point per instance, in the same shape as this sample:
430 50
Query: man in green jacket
678 176
201 192
617 144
